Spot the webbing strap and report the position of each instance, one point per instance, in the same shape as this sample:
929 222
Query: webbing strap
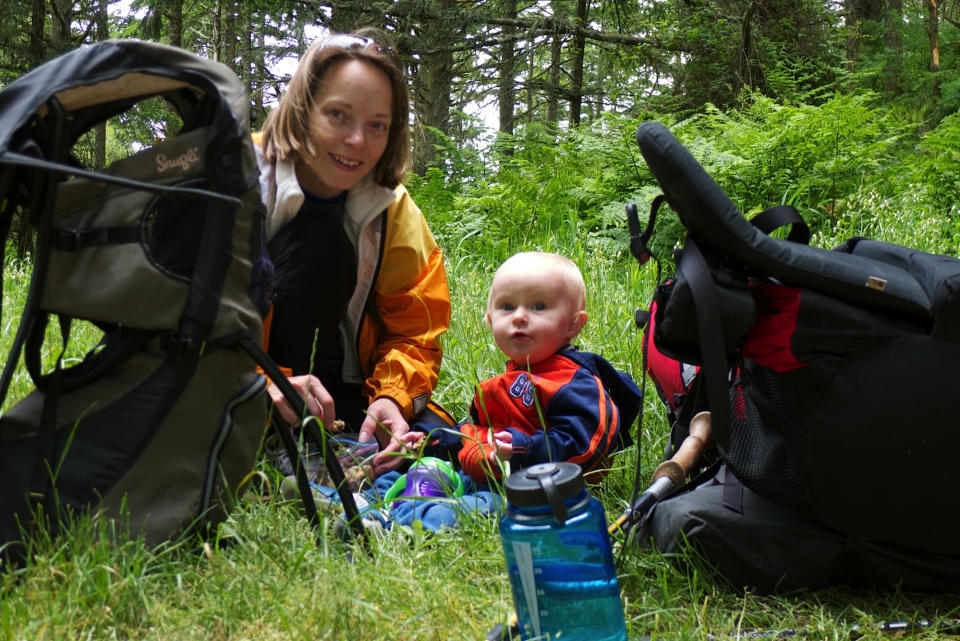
43 463
34 346
639 240
731 496
74 239
40 189
713 349
350 509
44 466
779 216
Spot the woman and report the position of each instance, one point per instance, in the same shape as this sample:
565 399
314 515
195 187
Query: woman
360 294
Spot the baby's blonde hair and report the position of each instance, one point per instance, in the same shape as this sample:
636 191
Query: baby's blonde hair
538 262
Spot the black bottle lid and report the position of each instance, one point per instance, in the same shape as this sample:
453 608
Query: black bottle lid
545 484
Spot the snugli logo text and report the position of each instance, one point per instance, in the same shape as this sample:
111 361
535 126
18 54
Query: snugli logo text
183 161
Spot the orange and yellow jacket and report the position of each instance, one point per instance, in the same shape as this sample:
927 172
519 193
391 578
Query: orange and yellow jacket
401 304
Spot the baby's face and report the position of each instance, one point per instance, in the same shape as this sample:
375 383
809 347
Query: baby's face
532 315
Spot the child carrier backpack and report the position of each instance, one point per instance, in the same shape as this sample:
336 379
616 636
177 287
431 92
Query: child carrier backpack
162 419
829 374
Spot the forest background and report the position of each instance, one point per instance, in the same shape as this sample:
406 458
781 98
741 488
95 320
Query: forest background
844 109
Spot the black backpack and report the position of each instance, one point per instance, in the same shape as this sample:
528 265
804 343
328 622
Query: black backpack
830 375
162 251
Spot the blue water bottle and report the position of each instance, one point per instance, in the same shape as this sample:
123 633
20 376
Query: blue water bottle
559 557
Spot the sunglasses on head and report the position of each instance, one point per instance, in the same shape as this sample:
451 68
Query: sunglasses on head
351 41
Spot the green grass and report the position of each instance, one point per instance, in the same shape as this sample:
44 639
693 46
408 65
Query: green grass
267 575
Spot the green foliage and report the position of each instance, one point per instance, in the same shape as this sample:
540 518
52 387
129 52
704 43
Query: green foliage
806 156
830 161
147 122
144 124
788 50
915 201
549 185
938 166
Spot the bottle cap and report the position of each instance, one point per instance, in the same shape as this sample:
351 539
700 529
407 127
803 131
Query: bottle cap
545 484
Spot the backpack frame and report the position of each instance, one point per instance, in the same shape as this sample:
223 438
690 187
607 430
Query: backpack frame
163 252
829 374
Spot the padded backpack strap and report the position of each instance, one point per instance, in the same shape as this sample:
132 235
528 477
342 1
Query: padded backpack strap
40 186
714 369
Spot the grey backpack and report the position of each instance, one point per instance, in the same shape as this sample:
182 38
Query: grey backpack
162 252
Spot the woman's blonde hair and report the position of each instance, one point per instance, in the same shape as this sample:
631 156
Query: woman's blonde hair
286 132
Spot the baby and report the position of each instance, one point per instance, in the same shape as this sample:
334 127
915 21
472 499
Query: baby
552 403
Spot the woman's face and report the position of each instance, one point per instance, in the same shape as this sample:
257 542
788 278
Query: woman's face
349 126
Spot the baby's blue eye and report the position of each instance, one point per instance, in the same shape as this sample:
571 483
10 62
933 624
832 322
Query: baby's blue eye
507 307
538 307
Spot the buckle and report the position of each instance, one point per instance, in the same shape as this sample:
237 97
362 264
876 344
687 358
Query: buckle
74 239
66 239
179 344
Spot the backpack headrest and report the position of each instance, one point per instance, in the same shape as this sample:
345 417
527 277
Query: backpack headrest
714 220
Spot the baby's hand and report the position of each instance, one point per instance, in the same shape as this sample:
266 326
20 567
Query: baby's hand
412 440
503 446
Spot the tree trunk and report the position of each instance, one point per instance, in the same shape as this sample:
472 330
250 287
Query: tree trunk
553 92
744 68
62 18
245 50
175 22
892 77
531 74
856 12
576 65
217 29
258 112
933 34
103 33
37 45
506 88
433 86
230 34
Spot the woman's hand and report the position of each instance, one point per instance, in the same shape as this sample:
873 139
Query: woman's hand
311 390
385 421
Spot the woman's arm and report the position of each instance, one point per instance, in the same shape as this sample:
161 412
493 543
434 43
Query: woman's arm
399 342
